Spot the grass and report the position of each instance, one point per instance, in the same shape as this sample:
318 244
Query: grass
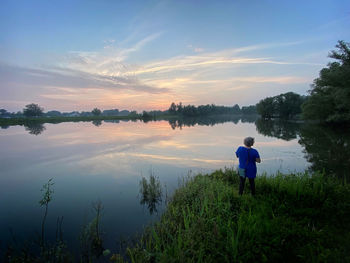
293 218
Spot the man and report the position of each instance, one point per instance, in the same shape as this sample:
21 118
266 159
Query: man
248 157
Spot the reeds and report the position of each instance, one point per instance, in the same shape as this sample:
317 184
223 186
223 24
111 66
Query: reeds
293 218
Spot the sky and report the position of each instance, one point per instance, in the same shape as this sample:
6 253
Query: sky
142 55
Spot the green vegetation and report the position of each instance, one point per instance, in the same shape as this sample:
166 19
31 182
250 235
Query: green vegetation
32 110
96 112
46 199
56 251
41 250
285 106
151 192
294 218
329 99
91 242
205 110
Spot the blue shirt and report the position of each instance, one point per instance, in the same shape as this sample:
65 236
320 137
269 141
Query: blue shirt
245 154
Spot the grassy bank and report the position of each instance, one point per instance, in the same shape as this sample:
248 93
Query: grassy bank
292 219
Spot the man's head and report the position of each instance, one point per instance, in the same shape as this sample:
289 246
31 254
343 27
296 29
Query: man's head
249 141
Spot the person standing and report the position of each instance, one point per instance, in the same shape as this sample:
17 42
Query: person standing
248 157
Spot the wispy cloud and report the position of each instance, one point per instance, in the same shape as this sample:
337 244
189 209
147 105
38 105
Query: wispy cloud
225 57
70 78
108 62
106 76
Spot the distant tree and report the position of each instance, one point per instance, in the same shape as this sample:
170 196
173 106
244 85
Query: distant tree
236 109
266 107
288 105
146 116
172 108
3 111
133 114
33 110
249 109
53 113
96 112
285 106
179 108
202 110
114 112
18 114
329 98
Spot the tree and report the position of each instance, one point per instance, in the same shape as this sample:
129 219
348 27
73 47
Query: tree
249 109
329 99
288 104
285 106
172 108
265 108
96 112
33 110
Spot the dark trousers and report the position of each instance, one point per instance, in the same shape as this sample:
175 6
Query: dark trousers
242 183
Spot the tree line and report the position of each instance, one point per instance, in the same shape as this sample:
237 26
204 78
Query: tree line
209 109
285 106
34 110
328 99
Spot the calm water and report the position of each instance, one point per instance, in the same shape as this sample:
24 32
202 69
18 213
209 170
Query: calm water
105 161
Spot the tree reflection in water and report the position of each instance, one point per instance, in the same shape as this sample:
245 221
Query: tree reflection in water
284 130
151 192
207 120
34 128
327 149
97 123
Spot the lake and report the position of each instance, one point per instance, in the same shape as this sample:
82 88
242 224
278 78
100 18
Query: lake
106 160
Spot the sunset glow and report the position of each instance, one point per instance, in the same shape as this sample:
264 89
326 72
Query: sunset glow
143 55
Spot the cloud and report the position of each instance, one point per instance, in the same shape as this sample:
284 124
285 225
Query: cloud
107 78
196 62
56 76
110 61
195 49
198 49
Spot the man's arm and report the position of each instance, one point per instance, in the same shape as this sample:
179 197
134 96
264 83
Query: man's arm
257 159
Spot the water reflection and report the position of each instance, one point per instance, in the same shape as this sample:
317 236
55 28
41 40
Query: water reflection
151 193
327 149
104 163
284 130
208 121
34 128
97 123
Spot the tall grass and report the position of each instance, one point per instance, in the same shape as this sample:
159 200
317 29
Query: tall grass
293 218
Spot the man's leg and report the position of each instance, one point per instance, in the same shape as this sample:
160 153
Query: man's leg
252 185
241 184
